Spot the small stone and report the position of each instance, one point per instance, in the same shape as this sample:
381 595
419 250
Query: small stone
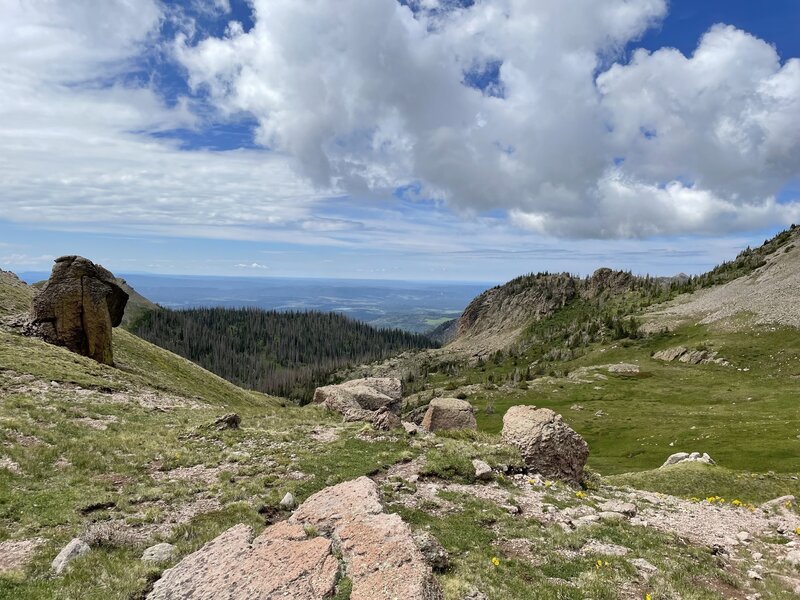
611 516
483 471
288 501
626 508
757 556
743 536
159 553
228 421
77 547
793 558
754 575
644 565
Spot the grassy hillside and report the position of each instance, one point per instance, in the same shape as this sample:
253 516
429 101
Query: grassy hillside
16 295
127 456
745 415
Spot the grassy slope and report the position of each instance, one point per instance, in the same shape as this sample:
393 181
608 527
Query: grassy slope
745 419
16 296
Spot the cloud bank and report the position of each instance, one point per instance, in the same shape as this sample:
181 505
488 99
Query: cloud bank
367 107
519 106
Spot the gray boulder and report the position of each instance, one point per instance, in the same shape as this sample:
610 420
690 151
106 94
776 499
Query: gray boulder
686 457
363 399
160 553
78 307
547 444
77 547
449 413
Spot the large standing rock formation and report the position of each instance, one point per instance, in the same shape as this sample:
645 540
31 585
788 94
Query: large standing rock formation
299 558
449 413
377 400
78 307
548 445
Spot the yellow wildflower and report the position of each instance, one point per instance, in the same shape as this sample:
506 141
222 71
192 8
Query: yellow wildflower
580 494
737 502
797 531
648 597
495 561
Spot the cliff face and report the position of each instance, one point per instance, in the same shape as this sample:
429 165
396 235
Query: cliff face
496 319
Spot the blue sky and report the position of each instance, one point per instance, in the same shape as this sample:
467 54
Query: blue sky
428 139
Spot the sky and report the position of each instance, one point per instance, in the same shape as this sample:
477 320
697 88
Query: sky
465 140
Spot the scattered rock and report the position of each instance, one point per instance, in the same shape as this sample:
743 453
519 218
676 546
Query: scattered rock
288 501
16 554
362 399
624 369
411 428
449 413
78 307
610 516
476 594
385 420
483 471
684 457
793 558
744 536
779 504
754 575
160 553
692 357
433 551
70 552
601 413
548 445
644 565
10 465
229 421
624 508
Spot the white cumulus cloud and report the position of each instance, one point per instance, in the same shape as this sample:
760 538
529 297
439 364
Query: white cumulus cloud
370 95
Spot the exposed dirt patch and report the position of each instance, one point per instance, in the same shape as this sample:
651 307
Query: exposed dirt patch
16 554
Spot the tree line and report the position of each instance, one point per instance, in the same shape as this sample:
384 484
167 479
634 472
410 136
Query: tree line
286 354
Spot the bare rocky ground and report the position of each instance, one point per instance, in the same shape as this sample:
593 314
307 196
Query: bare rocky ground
768 295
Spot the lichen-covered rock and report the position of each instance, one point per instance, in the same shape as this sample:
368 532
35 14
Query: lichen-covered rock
361 399
433 551
449 413
159 553
282 562
386 420
78 307
547 444
686 457
377 550
483 471
76 547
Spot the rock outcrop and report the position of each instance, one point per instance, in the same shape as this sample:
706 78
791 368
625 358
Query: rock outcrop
78 307
374 400
691 357
547 444
296 558
686 457
449 413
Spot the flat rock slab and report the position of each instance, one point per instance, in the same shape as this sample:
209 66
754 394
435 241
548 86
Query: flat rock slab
280 563
378 554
